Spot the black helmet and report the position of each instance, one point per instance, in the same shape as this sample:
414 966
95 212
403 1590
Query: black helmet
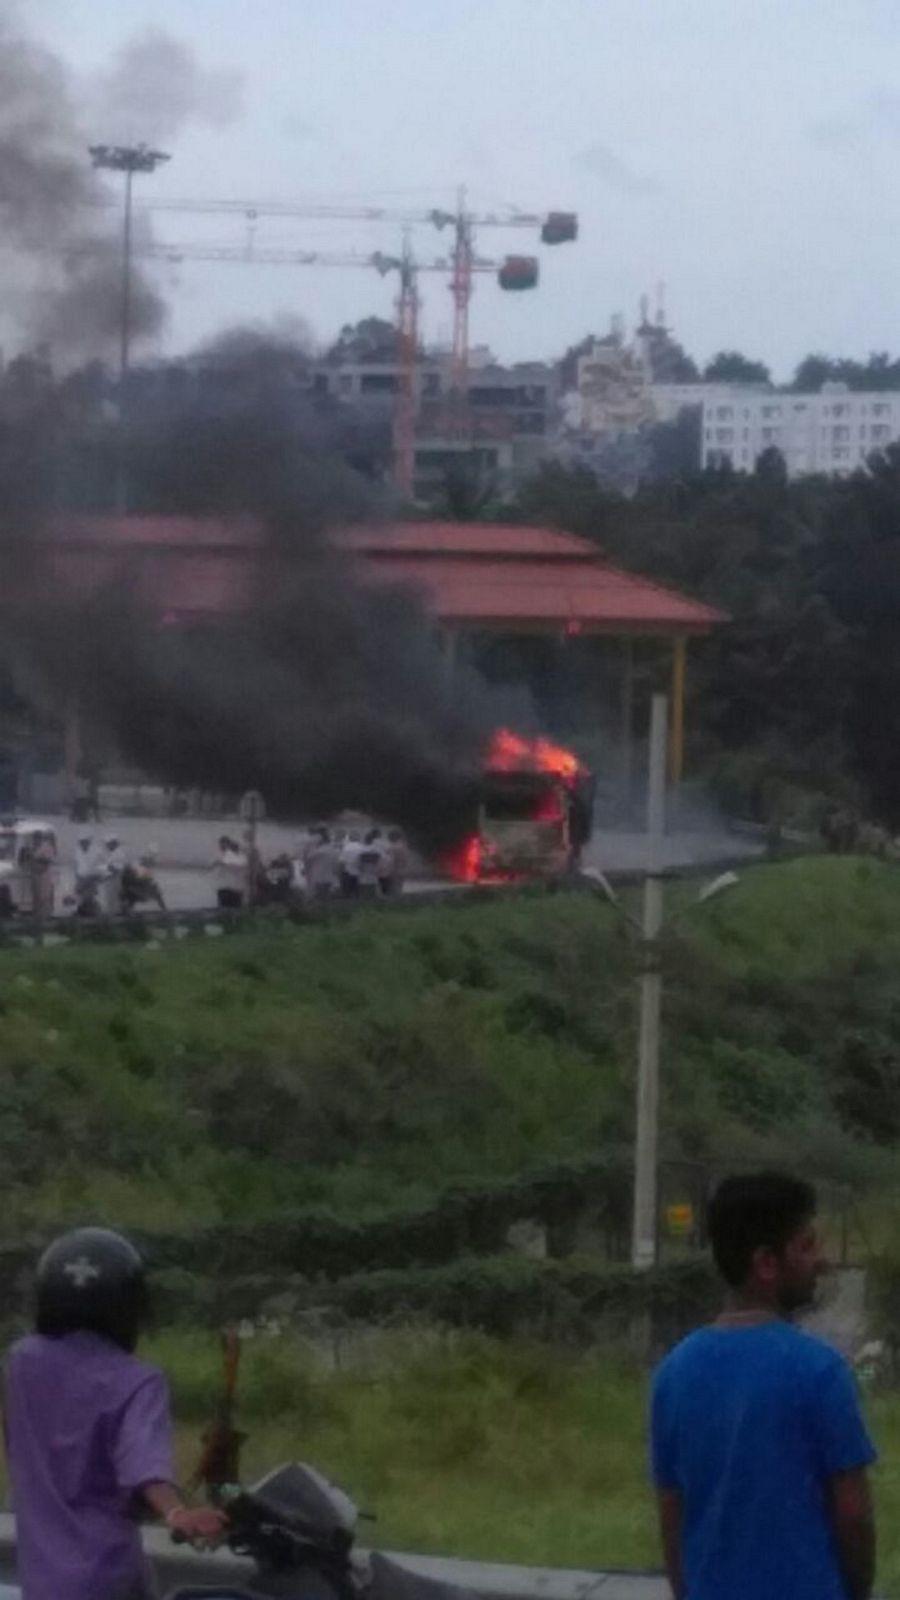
94 1280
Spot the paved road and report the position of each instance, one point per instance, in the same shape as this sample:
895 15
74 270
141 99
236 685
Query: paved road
489 1579
186 848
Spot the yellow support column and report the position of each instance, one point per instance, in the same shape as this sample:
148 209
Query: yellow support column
676 737
626 728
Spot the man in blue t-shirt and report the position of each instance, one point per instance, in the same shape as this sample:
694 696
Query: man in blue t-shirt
759 1451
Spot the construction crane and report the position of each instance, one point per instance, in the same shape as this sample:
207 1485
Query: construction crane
554 227
407 268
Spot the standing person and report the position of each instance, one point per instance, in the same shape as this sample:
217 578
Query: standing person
351 850
759 1451
255 880
230 875
280 879
26 876
42 867
396 864
85 861
88 1430
112 865
86 869
372 861
322 867
138 885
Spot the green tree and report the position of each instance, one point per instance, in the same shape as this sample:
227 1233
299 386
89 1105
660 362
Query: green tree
370 341
729 366
568 497
879 372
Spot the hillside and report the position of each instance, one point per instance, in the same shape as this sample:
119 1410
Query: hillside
370 1063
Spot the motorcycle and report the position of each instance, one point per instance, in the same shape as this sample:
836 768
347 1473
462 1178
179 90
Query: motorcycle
299 1529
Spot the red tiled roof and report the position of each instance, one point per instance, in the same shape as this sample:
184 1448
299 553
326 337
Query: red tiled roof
595 597
174 580
134 532
466 538
469 574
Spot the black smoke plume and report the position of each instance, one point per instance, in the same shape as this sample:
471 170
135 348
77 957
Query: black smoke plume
328 692
59 227
155 87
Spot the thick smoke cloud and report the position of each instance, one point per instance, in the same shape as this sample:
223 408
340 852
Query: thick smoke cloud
58 219
328 697
59 252
156 86
329 692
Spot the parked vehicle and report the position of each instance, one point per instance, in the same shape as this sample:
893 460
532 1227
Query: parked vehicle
299 1529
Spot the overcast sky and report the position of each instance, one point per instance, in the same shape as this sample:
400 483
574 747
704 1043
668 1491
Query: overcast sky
743 151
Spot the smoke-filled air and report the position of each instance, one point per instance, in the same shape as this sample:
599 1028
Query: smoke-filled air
60 240
327 693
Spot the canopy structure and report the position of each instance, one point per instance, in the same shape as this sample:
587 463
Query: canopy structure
501 578
512 578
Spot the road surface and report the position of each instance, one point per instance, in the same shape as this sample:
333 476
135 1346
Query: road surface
186 848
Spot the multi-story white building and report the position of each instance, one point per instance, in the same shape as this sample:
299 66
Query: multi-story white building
670 399
832 432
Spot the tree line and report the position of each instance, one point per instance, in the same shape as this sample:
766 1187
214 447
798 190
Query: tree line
796 703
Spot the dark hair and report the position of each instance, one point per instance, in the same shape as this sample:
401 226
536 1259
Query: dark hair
754 1210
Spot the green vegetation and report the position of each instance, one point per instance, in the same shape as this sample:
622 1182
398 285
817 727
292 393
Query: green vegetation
368 1066
468 1446
429 1064
795 703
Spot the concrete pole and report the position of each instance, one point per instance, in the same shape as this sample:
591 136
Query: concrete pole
626 728
676 746
124 347
72 749
643 1239
125 329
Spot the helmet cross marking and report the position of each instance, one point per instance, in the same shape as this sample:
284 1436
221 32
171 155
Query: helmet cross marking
82 1272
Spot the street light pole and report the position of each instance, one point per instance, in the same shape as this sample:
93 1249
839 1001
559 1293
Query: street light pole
127 159
644 1228
125 341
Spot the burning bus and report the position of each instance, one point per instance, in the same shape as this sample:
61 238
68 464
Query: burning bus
534 808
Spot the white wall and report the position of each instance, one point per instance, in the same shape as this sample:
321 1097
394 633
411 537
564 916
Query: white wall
833 431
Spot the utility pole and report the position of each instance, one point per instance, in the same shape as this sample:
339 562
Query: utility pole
407 356
461 289
643 1243
128 159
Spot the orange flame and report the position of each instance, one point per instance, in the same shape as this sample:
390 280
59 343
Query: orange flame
463 862
510 752
470 861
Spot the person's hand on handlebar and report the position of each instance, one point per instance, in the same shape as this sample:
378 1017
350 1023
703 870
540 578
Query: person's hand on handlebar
202 1525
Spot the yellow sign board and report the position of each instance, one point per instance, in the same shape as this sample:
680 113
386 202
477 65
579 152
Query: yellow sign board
680 1220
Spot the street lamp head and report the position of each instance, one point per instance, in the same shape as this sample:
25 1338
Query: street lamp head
595 876
725 880
126 158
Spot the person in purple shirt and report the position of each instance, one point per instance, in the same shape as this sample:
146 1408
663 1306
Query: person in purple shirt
88 1429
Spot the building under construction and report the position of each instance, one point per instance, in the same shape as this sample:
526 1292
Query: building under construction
512 415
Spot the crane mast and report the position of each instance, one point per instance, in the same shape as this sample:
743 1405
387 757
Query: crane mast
515 272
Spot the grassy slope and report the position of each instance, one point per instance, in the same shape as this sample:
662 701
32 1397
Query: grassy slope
384 1056
466 1446
365 1062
